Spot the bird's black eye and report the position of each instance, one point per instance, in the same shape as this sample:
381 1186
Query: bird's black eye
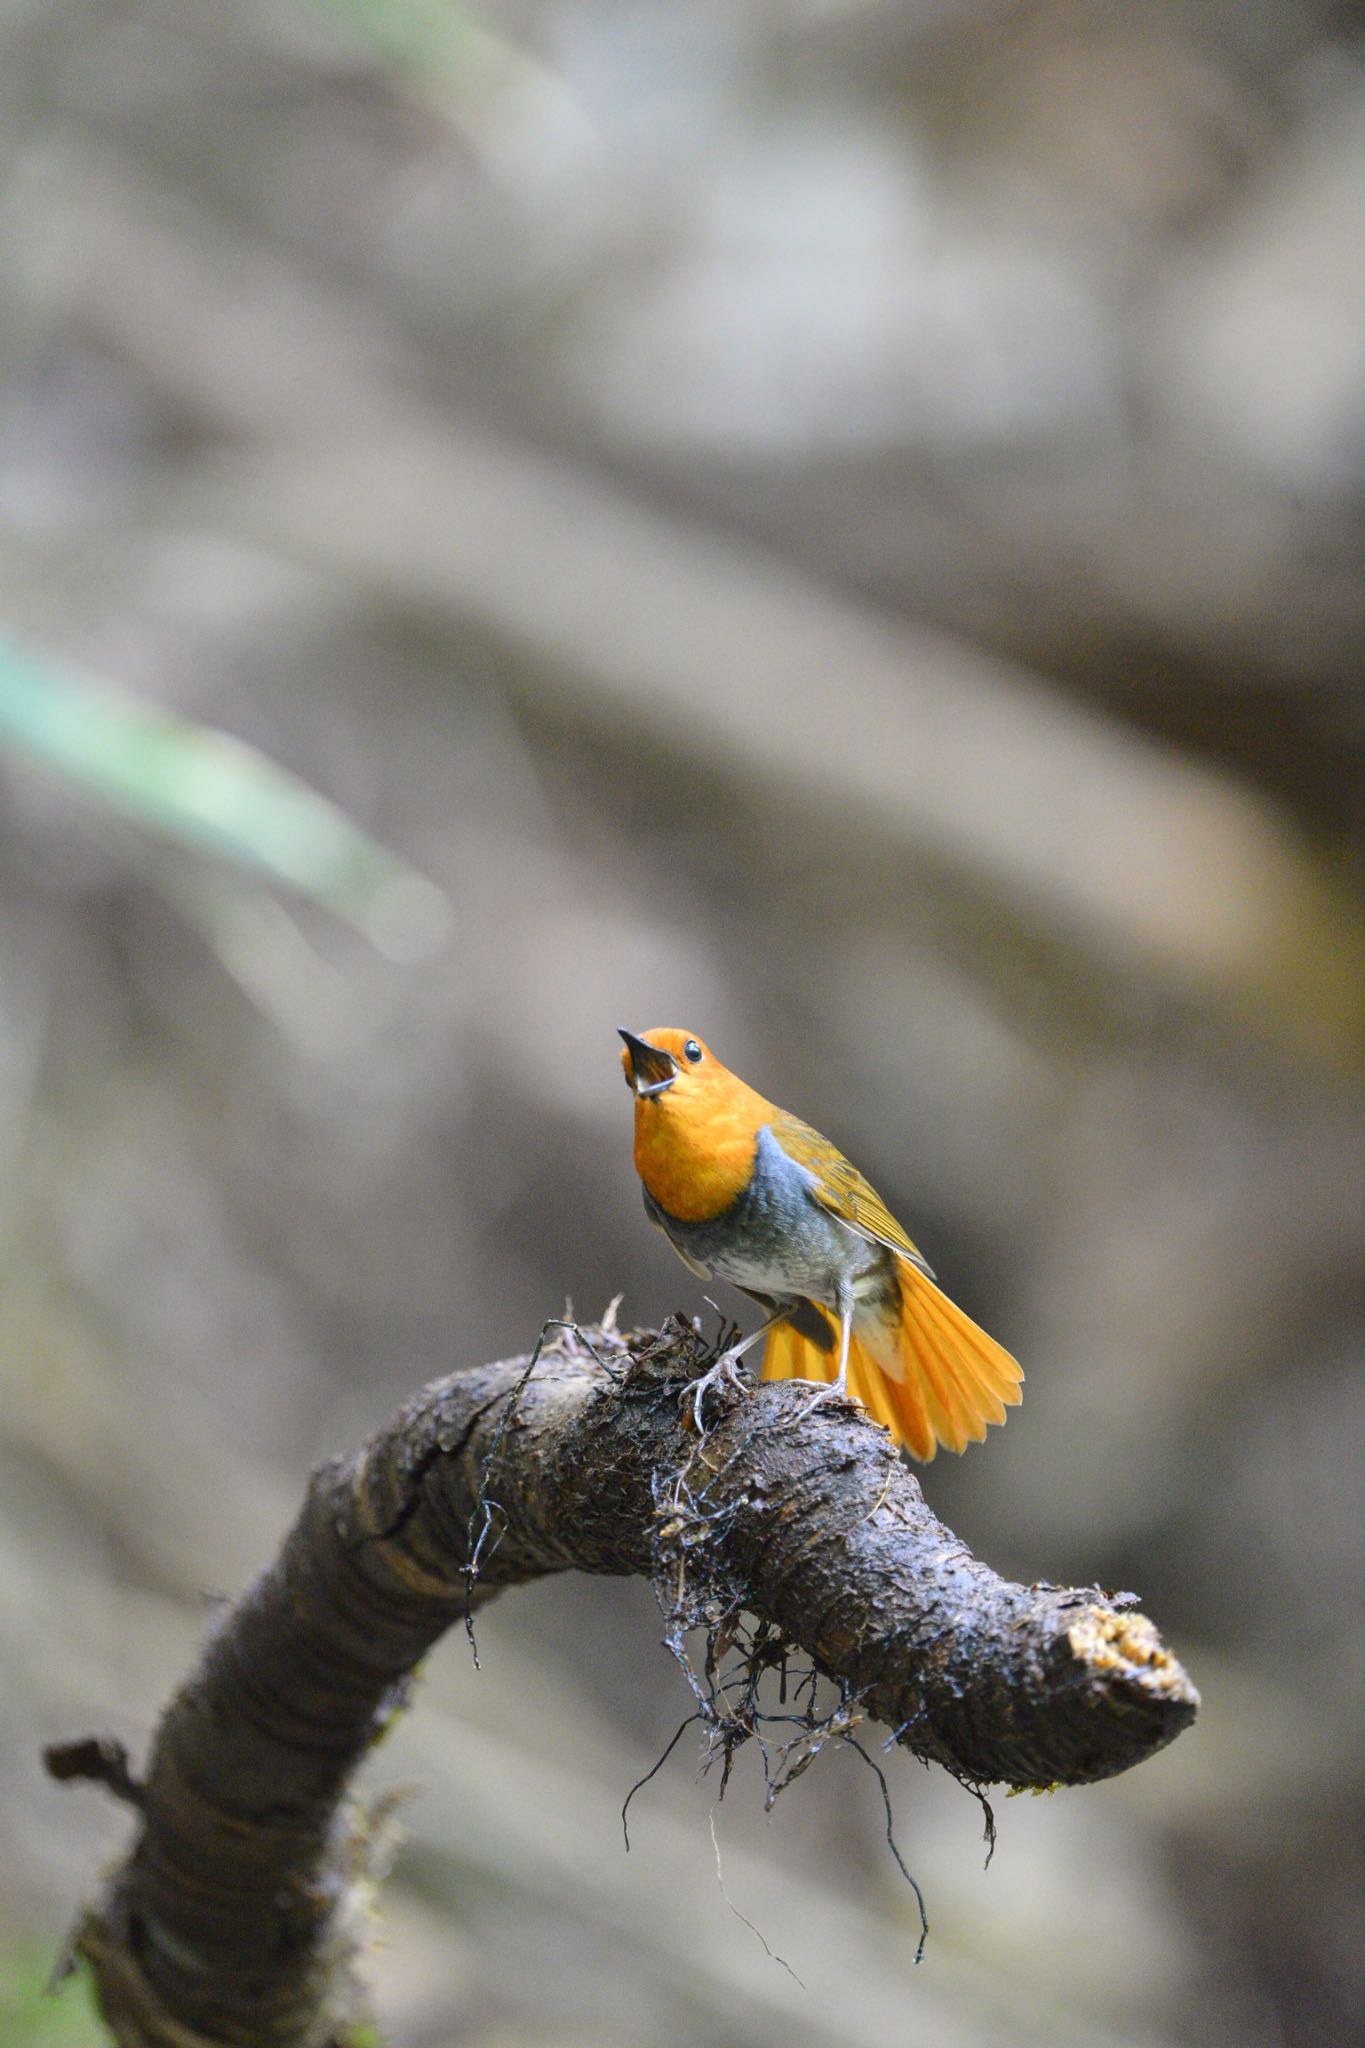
692 1051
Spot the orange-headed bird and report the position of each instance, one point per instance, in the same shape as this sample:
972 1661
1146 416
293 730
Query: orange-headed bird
746 1192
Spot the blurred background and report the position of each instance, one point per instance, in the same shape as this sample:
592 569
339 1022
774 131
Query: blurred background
837 524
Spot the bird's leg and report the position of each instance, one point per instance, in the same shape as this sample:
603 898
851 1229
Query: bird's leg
755 1337
837 1388
845 1332
725 1364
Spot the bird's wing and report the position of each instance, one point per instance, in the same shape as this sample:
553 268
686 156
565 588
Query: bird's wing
692 1265
839 1187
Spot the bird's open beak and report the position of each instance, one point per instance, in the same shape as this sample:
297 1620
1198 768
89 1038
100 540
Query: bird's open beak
651 1071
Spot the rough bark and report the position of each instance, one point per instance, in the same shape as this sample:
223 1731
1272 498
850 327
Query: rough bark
232 1919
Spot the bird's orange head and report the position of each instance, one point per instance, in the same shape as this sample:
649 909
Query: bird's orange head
696 1123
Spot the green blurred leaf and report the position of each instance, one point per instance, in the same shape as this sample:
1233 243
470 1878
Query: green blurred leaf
430 38
31 2016
472 72
206 790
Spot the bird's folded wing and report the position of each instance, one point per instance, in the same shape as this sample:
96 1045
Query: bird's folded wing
840 1188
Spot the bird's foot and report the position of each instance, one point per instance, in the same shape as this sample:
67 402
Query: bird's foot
724 1373
826 1391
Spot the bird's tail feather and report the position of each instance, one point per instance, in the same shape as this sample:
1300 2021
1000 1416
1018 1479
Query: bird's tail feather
932 1377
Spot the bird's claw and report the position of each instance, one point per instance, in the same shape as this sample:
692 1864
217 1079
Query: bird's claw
725 1372
826 1390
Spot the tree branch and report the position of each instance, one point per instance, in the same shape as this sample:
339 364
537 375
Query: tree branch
232 1920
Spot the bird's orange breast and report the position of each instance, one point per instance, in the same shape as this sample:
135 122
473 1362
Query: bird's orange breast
697 1158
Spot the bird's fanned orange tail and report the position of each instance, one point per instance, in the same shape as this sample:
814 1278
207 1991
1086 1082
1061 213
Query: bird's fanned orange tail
955 1380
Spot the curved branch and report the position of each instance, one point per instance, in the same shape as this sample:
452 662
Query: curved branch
229 1923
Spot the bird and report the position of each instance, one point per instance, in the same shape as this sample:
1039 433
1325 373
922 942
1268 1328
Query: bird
747 1193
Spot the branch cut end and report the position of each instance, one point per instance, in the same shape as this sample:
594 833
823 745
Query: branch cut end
1127 1648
